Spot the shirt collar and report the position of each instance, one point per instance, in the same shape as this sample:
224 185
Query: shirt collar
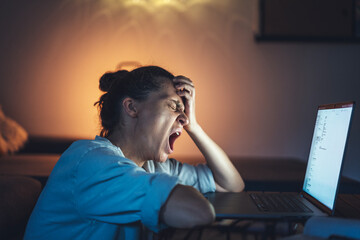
107 141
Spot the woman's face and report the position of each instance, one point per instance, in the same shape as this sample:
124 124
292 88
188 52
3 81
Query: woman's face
160 119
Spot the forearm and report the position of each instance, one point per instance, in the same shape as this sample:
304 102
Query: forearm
225 174
186 208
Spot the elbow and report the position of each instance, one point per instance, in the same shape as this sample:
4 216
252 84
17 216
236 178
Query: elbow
202 216
236 189
236 186
239 187
199 213
231 183
209 216
187 208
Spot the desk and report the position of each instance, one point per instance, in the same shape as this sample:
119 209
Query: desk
232 229
348 206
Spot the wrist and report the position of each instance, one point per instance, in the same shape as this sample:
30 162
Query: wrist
192 128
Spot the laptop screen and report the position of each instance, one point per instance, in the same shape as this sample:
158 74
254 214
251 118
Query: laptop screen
327 151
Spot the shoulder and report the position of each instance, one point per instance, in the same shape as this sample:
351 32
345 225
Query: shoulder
169 166
90 156
98 146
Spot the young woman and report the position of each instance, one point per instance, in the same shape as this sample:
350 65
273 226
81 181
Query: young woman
122 184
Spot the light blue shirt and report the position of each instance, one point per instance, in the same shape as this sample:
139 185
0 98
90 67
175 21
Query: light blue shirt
94 192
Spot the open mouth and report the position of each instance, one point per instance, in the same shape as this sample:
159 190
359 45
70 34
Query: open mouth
172 139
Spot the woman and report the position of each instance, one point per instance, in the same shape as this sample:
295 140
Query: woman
119 183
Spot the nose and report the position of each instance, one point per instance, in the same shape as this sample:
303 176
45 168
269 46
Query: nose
183 119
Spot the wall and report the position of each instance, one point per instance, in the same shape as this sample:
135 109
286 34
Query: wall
254 99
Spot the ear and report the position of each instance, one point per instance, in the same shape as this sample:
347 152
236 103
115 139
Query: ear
129 105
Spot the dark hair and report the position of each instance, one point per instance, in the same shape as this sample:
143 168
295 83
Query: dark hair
136 84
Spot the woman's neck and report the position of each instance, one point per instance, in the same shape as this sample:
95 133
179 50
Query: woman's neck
127 146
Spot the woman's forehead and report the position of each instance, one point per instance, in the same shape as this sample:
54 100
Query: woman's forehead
166 94
167 91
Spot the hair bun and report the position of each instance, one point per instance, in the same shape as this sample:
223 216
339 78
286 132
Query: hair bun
109 78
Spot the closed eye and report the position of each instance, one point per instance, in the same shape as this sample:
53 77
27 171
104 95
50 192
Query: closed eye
176 106
173 106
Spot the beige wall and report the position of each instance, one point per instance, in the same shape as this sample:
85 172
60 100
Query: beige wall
254 99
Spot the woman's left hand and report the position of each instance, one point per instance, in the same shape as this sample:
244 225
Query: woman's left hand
186 90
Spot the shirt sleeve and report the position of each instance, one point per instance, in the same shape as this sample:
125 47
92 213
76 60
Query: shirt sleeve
199 176
113 189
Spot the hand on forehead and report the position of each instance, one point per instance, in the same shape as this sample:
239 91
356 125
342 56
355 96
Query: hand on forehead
184 87
182 80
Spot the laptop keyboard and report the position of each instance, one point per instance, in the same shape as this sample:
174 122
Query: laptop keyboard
272 202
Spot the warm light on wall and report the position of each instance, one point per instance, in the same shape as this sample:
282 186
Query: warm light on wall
128 65
88 38
149 2
157 1
251 98
152 1
154 4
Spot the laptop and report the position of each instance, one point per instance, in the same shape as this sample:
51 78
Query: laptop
321 182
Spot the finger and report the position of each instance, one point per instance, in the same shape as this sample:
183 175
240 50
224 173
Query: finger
185 94
183 82
185 87
182 79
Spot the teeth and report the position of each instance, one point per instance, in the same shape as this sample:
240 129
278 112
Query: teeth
177 133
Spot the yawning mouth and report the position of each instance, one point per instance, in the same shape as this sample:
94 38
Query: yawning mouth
172 139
